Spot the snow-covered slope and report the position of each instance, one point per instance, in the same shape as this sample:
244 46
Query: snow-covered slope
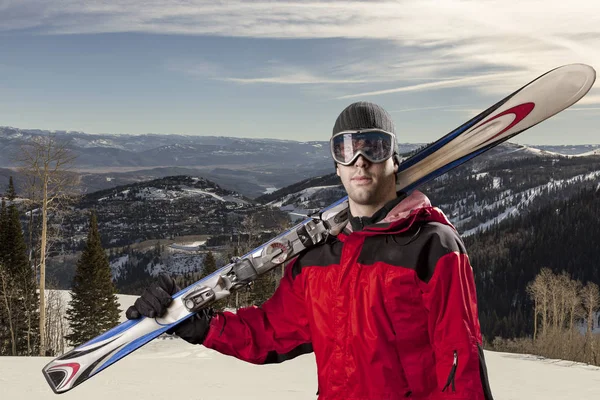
513 203
173 369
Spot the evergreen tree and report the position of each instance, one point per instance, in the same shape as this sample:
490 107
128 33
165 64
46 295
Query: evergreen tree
5 333
17 285
210 264
3 218
11 194
93 308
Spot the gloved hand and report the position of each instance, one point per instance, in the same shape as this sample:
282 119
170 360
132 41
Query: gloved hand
154 302
154 299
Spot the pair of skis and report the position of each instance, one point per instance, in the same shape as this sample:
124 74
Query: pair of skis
535 102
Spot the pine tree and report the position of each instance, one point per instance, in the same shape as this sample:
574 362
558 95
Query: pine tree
210 264
5 332
11 194
3 218
93 308
17 284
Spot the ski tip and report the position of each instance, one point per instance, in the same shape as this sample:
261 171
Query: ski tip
566 85
53 380
585 72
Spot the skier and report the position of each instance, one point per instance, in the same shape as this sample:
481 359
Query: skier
388 306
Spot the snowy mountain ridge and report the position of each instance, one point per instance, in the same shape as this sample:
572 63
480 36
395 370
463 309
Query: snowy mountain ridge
476 195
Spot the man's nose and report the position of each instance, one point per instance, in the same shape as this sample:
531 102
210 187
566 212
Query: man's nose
361 162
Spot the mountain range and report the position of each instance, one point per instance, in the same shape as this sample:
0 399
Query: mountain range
249 166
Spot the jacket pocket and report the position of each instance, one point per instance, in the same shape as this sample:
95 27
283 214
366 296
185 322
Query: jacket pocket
452 374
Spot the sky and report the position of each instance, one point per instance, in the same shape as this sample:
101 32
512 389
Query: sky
286 69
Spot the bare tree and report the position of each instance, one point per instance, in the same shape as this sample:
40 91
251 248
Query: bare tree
574 302
47 162
563 289
56 325
591 301
539 290
7 292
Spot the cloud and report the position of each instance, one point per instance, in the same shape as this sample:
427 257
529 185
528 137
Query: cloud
445 108
460 82
583 109
298 79
452 42
589 99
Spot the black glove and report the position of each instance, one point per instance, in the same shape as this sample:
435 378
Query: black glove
154 302
194 329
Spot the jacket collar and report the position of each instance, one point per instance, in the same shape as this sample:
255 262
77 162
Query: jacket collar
359 223
398 215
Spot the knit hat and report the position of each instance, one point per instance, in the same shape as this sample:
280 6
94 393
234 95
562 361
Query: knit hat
364 115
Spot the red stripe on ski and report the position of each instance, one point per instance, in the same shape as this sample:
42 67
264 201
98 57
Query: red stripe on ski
520 112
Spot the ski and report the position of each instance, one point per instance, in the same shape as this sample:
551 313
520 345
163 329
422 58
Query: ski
535 102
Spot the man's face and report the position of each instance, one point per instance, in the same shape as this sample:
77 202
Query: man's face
369 184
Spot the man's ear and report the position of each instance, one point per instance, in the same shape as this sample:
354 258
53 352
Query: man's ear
397 161
337 170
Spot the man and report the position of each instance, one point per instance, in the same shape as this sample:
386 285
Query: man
388 306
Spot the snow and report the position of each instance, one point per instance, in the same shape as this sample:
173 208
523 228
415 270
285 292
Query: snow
193 192
303 194
497 182
527 197
153 193
117 264
169 368
534 150
194 246
595 152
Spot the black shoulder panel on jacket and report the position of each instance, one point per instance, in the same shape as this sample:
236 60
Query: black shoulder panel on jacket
418 249
322 255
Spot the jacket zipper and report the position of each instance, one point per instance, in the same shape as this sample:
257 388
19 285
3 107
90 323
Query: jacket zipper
452 373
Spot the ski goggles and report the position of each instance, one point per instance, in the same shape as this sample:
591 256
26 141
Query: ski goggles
373 144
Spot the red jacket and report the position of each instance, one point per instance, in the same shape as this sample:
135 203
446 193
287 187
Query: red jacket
390 312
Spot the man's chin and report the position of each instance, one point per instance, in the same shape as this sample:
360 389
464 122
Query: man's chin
363 198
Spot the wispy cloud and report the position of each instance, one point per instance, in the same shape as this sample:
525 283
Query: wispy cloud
584 109
298 79
425 40
445 107
590 99
465 81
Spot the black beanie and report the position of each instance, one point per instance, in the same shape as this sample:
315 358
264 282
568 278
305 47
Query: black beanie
364 115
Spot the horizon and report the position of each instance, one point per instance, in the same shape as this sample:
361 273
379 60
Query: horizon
263 138
286 69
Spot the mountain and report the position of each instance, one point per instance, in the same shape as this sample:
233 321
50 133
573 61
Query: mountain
506 181
153 226
160 208
562 236
570 149
249 166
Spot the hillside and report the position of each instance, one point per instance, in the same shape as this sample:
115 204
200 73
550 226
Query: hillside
508 181
562 235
